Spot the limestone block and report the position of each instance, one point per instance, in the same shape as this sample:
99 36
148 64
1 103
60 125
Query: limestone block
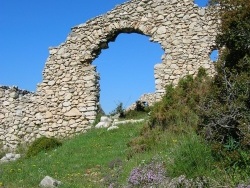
54 125
53 50
189 67
48 115
29 130
11 130
42 108
161 30
90 113
66 104
202 12
15 127
91 77
72 121
67 79
52 82
91 108
20 133
38 116
13 138
68 129
65 55
68 96
2 116
83 109
174 66
74 125
73 112
79 129
6 103
43 128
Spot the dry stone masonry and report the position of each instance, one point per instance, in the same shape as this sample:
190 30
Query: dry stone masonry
66 101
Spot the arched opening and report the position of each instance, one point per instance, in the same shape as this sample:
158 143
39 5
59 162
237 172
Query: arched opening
214 55
127 70
201 3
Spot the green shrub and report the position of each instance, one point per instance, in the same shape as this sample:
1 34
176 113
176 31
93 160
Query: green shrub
178 108
42 144
133 114
235 161
140 106
225 113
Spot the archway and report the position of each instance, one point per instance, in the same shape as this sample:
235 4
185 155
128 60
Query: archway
125 73
67 99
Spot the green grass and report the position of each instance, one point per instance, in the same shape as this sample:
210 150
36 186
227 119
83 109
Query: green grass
79 161
191 156
99 157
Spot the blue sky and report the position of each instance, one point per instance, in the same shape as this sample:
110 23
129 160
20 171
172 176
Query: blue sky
29 28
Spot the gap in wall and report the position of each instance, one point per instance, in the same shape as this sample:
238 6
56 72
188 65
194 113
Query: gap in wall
201 3
214 55
126 70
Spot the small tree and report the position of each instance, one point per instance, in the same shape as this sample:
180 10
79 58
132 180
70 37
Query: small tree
119 110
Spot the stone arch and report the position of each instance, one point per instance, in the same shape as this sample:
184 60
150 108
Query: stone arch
139 61
65 103
112 35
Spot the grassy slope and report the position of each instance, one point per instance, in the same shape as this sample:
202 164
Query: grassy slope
85 160
72 163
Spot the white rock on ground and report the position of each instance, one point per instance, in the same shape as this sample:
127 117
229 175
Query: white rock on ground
9 157
49 182
112 128
105 122
127 121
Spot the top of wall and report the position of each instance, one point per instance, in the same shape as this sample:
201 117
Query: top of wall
14 89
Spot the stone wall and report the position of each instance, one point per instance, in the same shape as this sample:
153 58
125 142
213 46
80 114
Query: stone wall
66 101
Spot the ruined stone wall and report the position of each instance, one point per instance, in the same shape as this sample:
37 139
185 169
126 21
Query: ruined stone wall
66 101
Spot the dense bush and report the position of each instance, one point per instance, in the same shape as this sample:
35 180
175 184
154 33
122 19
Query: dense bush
225 112
177 110
140 106
42 144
